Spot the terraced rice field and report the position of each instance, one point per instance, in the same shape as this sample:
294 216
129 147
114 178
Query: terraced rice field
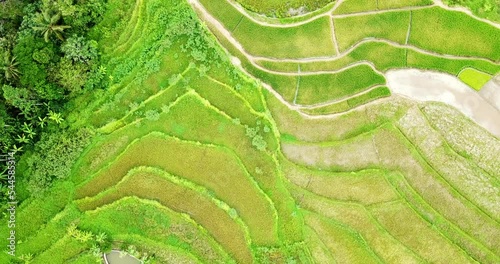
242 141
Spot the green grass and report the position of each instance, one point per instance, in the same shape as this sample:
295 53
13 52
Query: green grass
309 40
207 194
488 9
372 95
474 78
229 182
422 238
357 6
345 105
321 88
358 219
312 39
451 66
62 251
133 216
281 8
390 26
199 206
364 187
390 4
333 108
433 189
343 243
463 35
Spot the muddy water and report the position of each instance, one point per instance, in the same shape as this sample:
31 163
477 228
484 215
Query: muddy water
432 86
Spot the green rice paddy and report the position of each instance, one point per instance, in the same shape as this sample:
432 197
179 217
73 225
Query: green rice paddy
197 161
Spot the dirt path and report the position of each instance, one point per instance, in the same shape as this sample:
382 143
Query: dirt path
432 86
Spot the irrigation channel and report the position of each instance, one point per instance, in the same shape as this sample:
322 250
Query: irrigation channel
433 86
119 257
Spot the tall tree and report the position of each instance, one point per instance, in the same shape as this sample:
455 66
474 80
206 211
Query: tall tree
48 25
9 67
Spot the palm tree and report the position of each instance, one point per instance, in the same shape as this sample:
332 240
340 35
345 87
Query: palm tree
55 117
28 129
47 24
9 67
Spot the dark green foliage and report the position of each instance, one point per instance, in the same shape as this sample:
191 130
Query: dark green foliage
79 49
54 156
20 98
72 76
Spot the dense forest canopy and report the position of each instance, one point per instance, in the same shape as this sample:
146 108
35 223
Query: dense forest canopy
47 58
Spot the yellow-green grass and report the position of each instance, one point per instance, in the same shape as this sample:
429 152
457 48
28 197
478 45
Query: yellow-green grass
372 95
333 108
358 218
397 153
318 249
212 167
390 4
391 26
454 233
119 16
83 258
312 39
335 156
33 213
320 88
343 243
49 233
226 99
364 187
133 216
134 32
162 253
281 8
117 105
451 66
61 251
191 119
334 128
149 184
417 234
382 55
462 34
357 6
241 83
474 78
385 57
466 178
486 9
188 111
293 19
